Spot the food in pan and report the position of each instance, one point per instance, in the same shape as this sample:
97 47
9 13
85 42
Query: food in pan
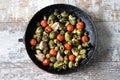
60 40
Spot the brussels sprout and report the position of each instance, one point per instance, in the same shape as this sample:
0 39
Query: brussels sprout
57 64
79 47
38 37
79 32
52 59
48 55
51 44
65 60
70 64
67 52
37 46
63 20
67 36
45 50
38 51
72 19
52 35
75 42
86 44
39 30
83 51
83 56
75 51
78 58
45 38
64 14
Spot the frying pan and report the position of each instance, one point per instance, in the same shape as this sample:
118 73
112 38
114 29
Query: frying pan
47 11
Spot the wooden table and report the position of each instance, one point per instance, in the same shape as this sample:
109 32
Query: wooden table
15 63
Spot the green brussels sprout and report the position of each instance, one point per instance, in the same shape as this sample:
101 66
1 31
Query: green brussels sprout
64 14
83 51
67 52
67 36
57 65
70 64
52 59
75 51
52 35
78 58
51 44
72 19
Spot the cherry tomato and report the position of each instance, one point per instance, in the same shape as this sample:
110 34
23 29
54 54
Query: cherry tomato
43 23
53 52
33 42
71 57
48 29
46 62
85 38
67 46
70 28
60 37
80 25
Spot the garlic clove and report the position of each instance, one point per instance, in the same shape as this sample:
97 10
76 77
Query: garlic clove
42 45
40 57
55 26
59 57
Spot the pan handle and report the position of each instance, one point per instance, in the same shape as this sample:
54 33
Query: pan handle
21 40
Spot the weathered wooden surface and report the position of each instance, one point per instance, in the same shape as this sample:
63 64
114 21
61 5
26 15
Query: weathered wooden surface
15 63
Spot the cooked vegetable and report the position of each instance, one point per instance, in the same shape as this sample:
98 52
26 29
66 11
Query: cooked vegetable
85 38
48 29
72 19
57 64
55 26
64 14
60 40
33 42
44 23
70 28
46 62
80 25
51 44
67 36
52 59
40 57
53 52
70 64
52 35
42 45
60 37
71 57
59 57
67 46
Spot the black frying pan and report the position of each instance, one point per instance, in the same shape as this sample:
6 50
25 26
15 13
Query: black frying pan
47 11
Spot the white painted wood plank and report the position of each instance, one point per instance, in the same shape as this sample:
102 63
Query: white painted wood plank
95 71
22 11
